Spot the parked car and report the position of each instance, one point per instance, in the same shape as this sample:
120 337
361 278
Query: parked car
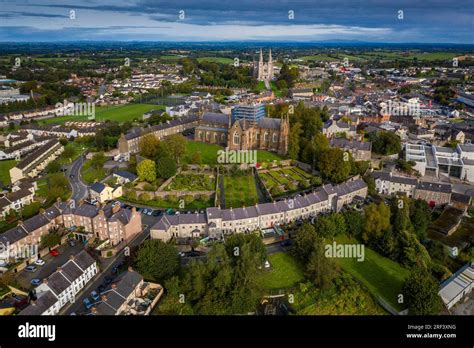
101 288
35 281
71 242
87 303
108 280
285 243
40 262
31 268
156 213
149 212
54 252
95 295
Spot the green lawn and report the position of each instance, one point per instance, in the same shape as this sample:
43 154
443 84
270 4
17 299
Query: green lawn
5 167
221 60
91 175
170 57
118 113
78 149
382 276
285 272
240 190
209 153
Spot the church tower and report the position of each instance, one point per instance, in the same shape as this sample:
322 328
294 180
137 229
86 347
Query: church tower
264 71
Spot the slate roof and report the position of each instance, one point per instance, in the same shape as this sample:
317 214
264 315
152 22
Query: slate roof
214 117
351 144
35 222
13 235
267 122
42 304
436 187
125 174
97 187
397 179
83 260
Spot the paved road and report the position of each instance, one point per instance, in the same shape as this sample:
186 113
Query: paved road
79 188
77 306
52 263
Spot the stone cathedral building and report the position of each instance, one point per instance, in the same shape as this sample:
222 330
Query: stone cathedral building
269 134
264 71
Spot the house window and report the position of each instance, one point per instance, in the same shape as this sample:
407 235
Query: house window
236 138
265 137
275 137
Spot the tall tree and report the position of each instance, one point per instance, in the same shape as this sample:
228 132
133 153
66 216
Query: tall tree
146 170
157 260
420 293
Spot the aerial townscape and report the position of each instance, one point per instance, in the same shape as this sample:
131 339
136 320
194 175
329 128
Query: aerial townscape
225 176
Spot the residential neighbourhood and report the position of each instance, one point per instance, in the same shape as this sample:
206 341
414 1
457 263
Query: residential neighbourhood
264 173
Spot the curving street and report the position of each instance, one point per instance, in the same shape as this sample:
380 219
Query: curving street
79 188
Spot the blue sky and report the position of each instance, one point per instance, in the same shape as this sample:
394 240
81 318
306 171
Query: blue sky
426 21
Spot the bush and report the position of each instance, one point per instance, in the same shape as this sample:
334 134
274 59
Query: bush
149 187
145 197
172 198
188 199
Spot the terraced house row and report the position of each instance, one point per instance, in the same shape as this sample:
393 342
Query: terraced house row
216 221
37 161
109 222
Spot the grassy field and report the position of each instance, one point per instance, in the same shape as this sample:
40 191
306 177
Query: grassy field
5 167
285 272
209 153
382 276
384 55
171 57
240 190
118 113
221 60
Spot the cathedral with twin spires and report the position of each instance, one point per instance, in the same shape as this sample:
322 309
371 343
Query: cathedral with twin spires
264 71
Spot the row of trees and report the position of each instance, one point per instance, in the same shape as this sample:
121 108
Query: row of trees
224 283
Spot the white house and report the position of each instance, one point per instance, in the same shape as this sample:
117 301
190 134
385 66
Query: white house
63 285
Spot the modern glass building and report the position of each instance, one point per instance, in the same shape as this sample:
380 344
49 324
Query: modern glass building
251 113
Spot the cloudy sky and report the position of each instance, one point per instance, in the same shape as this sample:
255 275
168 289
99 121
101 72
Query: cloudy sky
428 21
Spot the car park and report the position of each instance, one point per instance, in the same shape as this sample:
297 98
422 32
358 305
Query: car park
31 268
87 303
40 262
35 281
95 295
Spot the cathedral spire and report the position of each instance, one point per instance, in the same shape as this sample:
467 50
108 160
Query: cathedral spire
261 57
270 56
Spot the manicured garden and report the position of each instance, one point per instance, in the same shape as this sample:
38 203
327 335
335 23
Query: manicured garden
240 190
289 179
284 272
192 182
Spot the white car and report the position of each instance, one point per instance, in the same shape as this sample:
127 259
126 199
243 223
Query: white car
40 262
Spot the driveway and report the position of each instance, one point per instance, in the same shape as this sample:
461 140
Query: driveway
52 263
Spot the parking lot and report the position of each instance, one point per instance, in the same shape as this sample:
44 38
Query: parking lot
52 263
